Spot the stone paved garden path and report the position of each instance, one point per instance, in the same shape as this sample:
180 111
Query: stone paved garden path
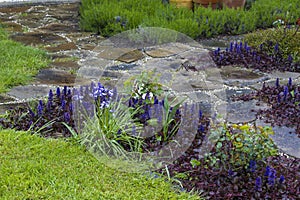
79 57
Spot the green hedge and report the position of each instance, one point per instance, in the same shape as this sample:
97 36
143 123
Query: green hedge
109 17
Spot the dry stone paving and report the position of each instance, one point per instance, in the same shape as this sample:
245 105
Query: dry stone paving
186 68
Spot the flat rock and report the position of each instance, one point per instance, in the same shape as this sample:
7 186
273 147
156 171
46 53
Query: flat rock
166 50
131 56
111 53
33 38
285 139
60 28
229 93
29 91
55 77
159 53
62 47
13 26
65 65
284 75
239 111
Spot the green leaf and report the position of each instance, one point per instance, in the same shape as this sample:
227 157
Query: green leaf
219 145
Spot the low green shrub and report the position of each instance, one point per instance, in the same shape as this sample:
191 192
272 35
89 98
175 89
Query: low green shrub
111 17
284 39
238 145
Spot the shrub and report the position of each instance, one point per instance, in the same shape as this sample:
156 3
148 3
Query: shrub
238 145
110 17
286 38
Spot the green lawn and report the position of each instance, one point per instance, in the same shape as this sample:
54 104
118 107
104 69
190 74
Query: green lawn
37 168
18 63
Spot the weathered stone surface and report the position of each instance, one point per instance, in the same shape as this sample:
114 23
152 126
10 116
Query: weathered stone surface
123 67
65 65
239 112
55 77
198 58
97 73
167 50
61 47
60 28
111 53
33 38
234 76
131 56
159 53
284 75
4 98
13 26
11 10
284 138
29 91
229 93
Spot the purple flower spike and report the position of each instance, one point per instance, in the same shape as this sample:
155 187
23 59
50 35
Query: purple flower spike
290 82
285 92
63 104
50 95
200 114
276 47
216 52
258 183
40 108
277 82
67 117
258 58
231 46
272 177
248 49
290 58
230 172
31 113
281 179
278 98
252 165
65 90
268 169
58 92
49 105
201 128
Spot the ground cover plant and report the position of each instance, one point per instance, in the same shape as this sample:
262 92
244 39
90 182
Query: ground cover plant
240 54
18 63
37 168
244 161
110 17
284 101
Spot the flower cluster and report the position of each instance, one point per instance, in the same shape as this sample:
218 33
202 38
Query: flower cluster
284 101
243 55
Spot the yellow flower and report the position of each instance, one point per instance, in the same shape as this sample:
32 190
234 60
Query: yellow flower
244 127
